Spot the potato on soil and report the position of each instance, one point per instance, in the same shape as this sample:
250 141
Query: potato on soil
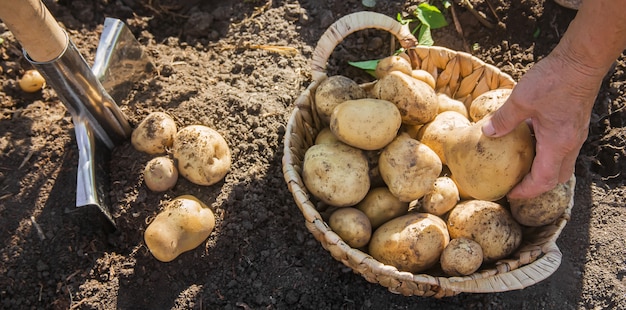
488 168
545 208
380 206
448 104
415 99
409 168
160 174
154 134
333 91
202 154
412 242
488 223
337 174
461 257
435 133
32 81
442 198
424 76
392 63
182 226
352 225
368 124
488 102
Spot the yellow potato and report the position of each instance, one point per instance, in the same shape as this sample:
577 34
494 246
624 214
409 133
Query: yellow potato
442 198
368 124
202 154
160 174
154 134
32 81
380 206
412 242
448 104
415 99
435 133
337 174
392 63
489 224
325 136
182 226
488 168
488 102
545 208
333 91
352 225
424 76
461 257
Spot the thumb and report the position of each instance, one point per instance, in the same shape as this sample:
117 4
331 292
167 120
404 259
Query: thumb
503 120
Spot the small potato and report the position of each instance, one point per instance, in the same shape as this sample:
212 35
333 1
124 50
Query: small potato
448 104
409 168
489 224
435 133
325 136
154 134
182 226
424 76
392 63
412 242
461 257
202 154
160 174
333 91
442 198
488 102
352 225
380 206
415 99
337 174
545 208
32 81
368 124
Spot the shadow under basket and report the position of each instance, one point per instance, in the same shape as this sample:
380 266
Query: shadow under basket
461 76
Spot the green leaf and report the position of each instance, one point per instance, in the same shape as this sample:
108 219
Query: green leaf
537 33
430 16
365 65
424 37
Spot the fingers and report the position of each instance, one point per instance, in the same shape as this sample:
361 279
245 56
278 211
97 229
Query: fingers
544 176
504 120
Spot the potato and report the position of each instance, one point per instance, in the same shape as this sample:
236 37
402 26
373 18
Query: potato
415 99
154 134
352 225
32 81
412 242
182 226
442 198
435 133
380 206
461 257
448 104
424 76
333 91
545 208
325 136
202 154
392 63
488 168
368 124
489 224
488 102
160 174
337 174
409 168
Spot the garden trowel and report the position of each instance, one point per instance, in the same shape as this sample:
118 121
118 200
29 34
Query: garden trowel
89 94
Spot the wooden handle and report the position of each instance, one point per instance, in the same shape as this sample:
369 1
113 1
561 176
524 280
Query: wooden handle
34 28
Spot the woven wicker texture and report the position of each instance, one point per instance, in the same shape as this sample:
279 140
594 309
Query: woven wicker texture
460 76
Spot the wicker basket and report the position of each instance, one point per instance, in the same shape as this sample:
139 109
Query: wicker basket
461 76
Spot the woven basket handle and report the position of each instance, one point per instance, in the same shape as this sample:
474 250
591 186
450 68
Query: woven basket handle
349 24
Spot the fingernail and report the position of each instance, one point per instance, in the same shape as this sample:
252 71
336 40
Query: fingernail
488 129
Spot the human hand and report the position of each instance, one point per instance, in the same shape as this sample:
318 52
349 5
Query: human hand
555 97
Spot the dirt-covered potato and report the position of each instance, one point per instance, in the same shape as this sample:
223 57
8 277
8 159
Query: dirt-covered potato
368 124
412 242
488 102
202 154
337 174
488 168
182 226
325 136
448 104
461 257
409 168
392 63
160 174
333 91
154 134
32 81
545 208
380 206
436 132
352 225
442 198
488 223
415 99
424 76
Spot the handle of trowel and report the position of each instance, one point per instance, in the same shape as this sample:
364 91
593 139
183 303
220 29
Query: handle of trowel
34 28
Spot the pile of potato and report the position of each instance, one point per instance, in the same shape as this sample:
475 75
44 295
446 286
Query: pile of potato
202 156
410 178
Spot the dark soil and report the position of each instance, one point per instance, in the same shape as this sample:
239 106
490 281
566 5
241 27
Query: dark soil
211 71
